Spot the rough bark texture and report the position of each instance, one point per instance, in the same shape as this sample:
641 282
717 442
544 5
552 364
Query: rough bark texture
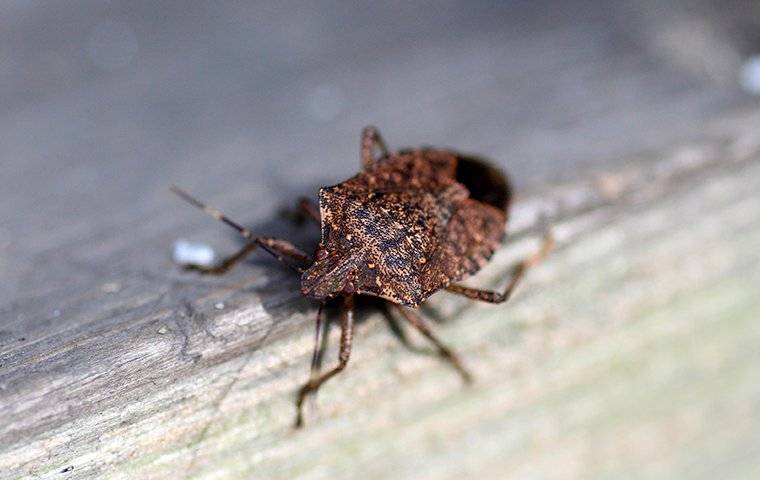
631 352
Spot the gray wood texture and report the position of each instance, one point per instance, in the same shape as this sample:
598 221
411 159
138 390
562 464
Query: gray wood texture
630 353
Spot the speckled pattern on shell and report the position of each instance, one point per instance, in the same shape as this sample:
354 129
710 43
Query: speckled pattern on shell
403 228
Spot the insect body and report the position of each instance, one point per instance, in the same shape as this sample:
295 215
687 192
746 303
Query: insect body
401 229
407 225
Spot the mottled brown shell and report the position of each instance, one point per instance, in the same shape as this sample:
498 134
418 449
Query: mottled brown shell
408 225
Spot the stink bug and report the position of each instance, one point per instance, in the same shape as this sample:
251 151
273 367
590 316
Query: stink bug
408 224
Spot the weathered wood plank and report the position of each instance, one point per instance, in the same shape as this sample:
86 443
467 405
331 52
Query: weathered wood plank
630 351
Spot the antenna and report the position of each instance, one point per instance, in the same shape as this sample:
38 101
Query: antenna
214 212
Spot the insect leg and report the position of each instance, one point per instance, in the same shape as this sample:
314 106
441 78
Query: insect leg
310 209
371 138
443 351
346 338
274 246
517 275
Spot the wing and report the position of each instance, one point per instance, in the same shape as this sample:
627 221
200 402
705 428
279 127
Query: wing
473 233
403 231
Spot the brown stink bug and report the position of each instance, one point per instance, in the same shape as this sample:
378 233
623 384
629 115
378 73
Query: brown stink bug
408 224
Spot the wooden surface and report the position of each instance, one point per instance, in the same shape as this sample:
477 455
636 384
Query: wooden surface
630 353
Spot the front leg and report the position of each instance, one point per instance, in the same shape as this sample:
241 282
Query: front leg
346 338
274 246
310 209
370 139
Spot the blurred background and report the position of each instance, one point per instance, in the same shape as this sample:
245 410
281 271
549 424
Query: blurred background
103 104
